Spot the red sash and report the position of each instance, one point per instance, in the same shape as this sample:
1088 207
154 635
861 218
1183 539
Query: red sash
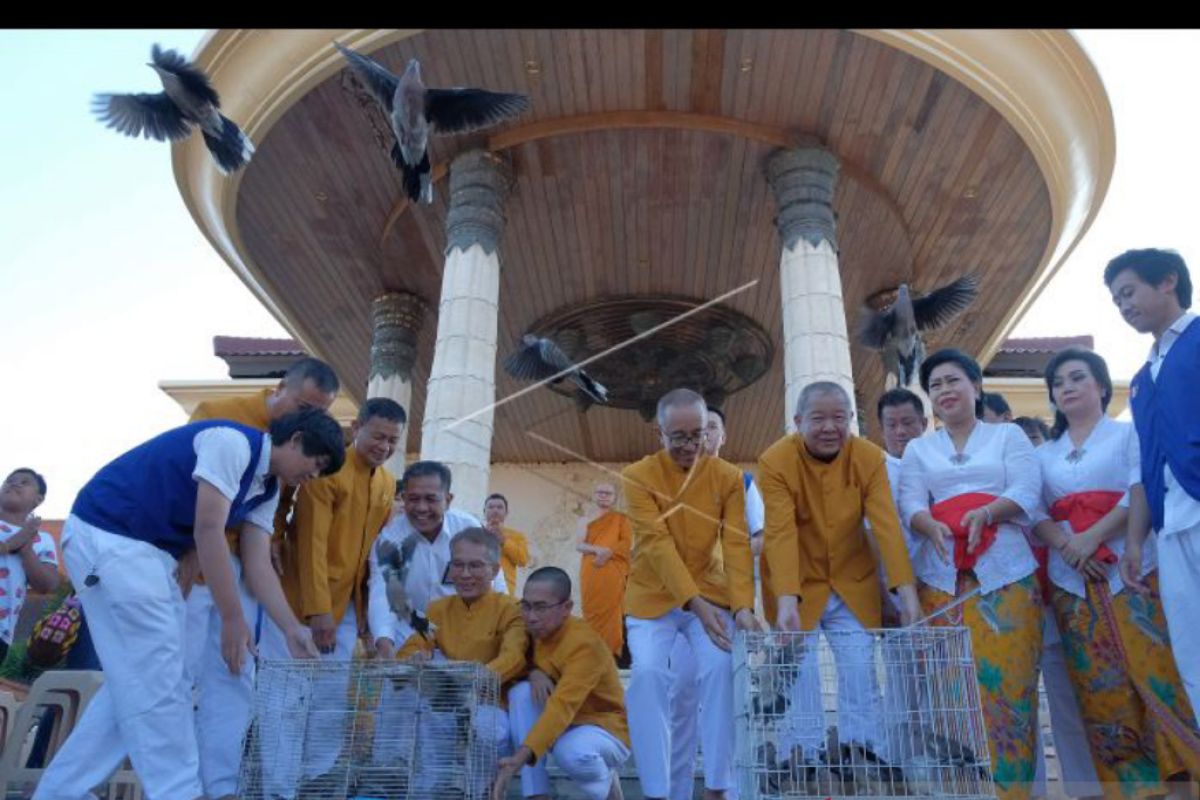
1083 510
950 512
1042 553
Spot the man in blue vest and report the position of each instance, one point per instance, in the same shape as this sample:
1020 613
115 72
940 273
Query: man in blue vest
1153 291
127 529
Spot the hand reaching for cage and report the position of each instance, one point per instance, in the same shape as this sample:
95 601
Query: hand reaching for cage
942 538
787 616
300 643
712 620
235 642
541 685
385 649
745 620
910 604
324 632
509 767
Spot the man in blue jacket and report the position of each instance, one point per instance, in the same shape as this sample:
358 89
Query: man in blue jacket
1153 291
127 528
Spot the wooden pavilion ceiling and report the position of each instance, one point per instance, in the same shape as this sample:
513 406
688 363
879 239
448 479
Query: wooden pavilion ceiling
934 183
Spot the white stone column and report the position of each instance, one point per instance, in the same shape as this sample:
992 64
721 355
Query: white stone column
396 320
457 425
816 345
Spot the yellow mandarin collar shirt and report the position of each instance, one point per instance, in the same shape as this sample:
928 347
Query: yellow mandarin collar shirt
815 539
335 523
587 687
489 631
689 535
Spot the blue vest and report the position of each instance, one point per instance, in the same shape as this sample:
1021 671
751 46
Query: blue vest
149 493
1166 413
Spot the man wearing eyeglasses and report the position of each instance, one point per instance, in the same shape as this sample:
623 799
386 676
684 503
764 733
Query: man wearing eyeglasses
477 624
692 575
572 706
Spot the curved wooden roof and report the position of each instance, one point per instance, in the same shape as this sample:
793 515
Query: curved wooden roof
640 171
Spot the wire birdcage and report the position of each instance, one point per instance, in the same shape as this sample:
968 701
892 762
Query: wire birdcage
405 731
877 713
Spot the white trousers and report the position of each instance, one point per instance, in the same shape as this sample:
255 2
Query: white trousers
136 615
648 699
685 717
223 700
303 723
588 754
859 716
1179 586
1071 746
411 735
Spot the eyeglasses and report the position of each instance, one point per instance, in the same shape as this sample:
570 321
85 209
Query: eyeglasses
684 439
539 608
477 567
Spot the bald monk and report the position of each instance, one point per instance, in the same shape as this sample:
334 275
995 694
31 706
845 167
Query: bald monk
572 706
474 624
692 574
819 486
606 542
224 699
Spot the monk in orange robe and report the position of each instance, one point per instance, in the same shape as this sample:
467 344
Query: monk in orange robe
606 542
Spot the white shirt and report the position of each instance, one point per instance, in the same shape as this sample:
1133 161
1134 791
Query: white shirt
426 579
1111 462
12 577
912 541
756 510
222 456
1181 511
1000 462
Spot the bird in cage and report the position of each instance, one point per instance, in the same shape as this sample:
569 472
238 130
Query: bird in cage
931 749
859 768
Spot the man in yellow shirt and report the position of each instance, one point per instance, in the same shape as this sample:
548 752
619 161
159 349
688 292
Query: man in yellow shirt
223 699
326 546
692 574
474 624
514 547
819 486
572 705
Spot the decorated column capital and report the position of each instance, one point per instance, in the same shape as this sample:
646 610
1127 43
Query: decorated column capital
479 183
803 182
396 319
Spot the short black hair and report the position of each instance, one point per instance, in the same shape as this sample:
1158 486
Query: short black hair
554 576
898 397
1153 266
37 478
1031 424
421 469
950 355
382 407
1096 365
996 402
399 485
716 412
320 435
496 496
315 370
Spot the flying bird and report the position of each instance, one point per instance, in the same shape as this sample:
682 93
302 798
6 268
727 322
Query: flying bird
896 330
415 112
539 359
187 100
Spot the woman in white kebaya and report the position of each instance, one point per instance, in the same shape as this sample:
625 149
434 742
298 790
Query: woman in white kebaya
1138 719
968 488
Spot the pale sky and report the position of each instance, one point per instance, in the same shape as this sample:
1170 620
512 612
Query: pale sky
111 287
